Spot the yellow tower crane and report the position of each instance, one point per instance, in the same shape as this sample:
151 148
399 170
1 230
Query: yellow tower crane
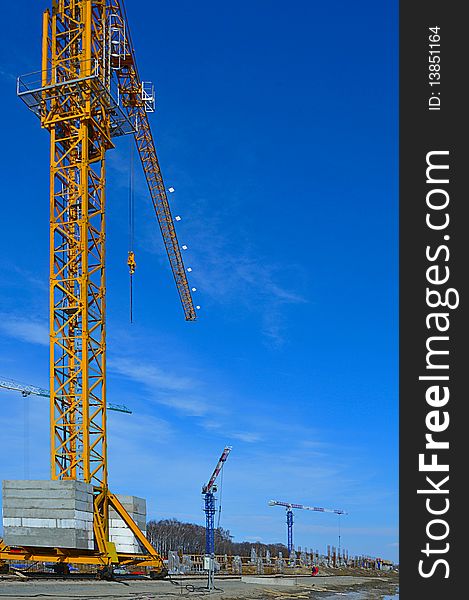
87 93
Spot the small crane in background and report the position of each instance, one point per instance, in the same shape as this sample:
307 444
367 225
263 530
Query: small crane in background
208 491
27 390
290 506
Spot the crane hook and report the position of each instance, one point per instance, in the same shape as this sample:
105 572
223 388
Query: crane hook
132 266
131 262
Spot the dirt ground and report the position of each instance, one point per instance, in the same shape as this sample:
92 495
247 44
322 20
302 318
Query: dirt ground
325 587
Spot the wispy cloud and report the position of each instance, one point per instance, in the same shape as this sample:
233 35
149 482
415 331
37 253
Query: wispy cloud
164 387
231 277
16 276
6 75
252 283
233 274
150 375
127 430
246 436
27 330
314 444
223 427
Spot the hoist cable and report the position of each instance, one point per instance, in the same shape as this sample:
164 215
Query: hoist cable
131 256
221 496
131 198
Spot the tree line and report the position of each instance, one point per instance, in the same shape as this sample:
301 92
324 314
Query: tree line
189 538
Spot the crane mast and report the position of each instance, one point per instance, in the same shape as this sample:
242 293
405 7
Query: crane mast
75 110
87 93
75 113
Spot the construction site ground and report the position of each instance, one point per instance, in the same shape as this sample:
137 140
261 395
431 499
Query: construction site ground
355 586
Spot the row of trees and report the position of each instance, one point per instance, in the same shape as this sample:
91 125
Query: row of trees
171 534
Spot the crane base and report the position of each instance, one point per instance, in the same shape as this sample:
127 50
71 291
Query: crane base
79 557
104 552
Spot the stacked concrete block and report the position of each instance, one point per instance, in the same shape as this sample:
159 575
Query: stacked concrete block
48 514
119 533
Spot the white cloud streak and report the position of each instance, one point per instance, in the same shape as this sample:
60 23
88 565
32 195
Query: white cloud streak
240 276
245 436
164 387
26 330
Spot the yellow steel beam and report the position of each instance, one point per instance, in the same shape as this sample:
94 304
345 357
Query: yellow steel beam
75 107
79 557
78 120
124 515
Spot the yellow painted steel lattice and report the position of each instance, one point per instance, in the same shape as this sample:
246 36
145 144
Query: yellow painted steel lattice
88 92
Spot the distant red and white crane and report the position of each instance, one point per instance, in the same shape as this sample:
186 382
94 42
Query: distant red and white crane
290 506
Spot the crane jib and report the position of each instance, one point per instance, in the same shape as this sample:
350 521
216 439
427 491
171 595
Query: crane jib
291 505
217 470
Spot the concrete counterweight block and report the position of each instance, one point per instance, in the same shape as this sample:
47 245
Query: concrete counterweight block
48 514
119 533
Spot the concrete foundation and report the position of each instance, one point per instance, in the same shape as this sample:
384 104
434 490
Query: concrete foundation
269 580
48 514
119 533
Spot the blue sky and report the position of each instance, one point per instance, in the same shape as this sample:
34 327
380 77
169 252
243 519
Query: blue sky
277 125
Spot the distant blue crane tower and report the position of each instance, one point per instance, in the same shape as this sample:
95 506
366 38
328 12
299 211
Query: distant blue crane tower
289 530
208 491
290 506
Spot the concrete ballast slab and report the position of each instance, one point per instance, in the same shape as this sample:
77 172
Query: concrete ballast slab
53 513
119 533
48 514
